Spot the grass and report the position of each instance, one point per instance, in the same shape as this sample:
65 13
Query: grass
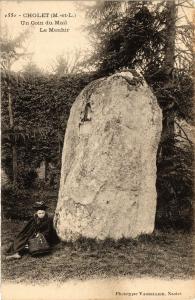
163 254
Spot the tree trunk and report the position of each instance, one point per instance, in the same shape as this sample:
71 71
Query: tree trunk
14 150
171 34
169 113
14 164
59 144
46 170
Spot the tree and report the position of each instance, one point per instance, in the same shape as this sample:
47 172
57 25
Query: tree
11 51
68 63
31 69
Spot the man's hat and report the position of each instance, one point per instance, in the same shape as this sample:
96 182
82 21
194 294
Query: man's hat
40 205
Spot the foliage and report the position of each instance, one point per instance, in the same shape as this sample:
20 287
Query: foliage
15 202
175 185
134 34
12 49
32 69
123 34
68 63
41 106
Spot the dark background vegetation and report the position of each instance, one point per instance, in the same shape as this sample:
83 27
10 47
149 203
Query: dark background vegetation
35 106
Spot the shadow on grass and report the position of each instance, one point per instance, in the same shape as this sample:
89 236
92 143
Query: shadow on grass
155 238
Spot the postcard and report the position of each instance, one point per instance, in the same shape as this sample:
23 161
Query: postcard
97 150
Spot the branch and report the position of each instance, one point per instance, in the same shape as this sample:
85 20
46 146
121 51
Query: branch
190 3
186 6
179 18
187 19
180 3
191 144
182 137
186 3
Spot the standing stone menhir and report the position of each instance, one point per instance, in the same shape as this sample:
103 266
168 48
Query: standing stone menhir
108 175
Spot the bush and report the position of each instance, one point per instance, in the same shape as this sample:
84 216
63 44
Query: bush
26 177
18 203
15 202
175 187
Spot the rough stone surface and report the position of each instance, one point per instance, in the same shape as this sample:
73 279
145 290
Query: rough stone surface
108 175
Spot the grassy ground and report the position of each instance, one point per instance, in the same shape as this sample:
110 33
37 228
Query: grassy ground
167 255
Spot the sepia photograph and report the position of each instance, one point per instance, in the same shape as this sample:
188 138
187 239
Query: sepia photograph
97 149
